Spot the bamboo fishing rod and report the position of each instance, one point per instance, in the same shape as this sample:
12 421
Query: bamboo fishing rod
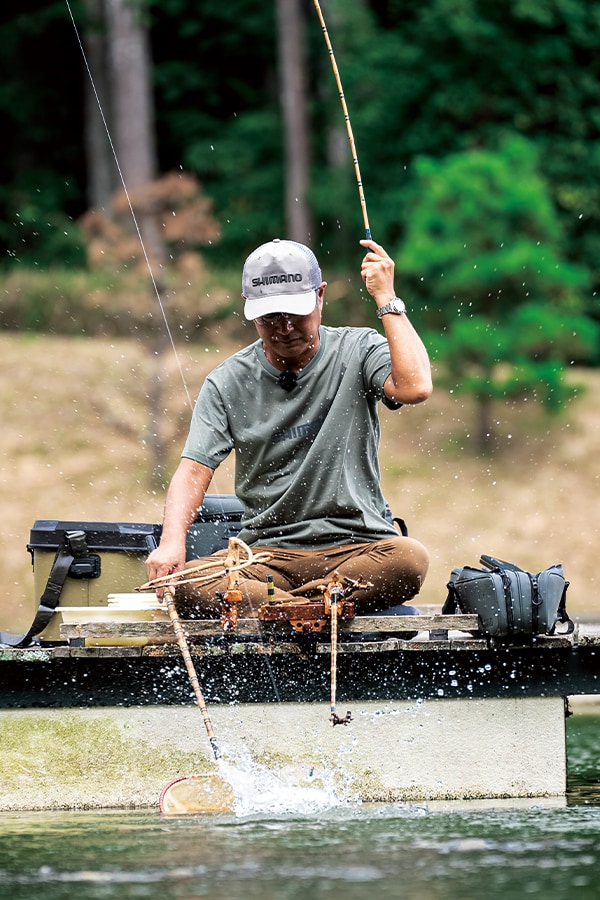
207 792
231 565
333 717
334 593
338 80
191 670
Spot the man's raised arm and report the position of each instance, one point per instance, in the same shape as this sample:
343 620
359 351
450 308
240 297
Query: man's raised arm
410 378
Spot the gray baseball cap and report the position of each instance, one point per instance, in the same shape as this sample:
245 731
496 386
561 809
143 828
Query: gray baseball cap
280 277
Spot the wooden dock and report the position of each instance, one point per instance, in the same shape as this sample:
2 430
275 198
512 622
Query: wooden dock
264 661
107 715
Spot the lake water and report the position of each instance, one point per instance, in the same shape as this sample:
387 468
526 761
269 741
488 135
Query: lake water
321 849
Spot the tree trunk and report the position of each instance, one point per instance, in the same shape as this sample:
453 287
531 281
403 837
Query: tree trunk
102 177
133 108
292 81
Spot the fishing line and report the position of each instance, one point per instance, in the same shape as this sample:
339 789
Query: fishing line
148 264
132 211
336 73
133 215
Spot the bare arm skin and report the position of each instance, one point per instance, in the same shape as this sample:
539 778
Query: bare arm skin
410 378
184 497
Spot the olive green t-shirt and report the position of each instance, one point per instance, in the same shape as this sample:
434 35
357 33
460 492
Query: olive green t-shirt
306 464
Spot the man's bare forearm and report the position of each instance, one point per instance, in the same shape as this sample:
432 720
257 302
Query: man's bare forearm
184 497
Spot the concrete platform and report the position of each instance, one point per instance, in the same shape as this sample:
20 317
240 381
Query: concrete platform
403 750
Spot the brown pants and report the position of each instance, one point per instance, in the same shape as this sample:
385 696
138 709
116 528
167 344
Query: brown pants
396 567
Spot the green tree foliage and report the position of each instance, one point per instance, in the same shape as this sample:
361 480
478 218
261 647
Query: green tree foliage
472 71
421 79
41 118
506 315
218 111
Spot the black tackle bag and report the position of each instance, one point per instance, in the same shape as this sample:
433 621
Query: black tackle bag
508 600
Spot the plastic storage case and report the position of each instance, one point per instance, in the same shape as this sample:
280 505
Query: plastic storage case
117 552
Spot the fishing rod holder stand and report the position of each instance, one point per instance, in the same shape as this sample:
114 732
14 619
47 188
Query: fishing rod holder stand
313 616
305 617
229 601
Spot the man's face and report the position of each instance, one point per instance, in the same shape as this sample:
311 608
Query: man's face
290 340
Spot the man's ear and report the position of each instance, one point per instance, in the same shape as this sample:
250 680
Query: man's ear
321 293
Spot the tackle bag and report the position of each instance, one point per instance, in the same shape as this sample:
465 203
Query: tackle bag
508 600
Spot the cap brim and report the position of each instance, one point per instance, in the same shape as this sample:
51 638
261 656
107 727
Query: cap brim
294 304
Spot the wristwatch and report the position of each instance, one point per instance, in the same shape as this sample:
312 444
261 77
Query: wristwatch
395 306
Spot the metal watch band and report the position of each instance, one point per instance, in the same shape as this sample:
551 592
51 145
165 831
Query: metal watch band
395 306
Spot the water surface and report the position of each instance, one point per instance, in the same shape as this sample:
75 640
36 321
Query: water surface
426 851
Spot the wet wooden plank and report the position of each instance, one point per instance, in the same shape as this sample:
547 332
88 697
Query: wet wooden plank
202 650
389 624
588 634
156 631
9 654
379 634
198 628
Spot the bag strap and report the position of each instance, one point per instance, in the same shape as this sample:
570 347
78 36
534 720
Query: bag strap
401 525
492 563
451 604
562 615
72 546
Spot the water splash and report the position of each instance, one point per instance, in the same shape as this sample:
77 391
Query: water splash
261 790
